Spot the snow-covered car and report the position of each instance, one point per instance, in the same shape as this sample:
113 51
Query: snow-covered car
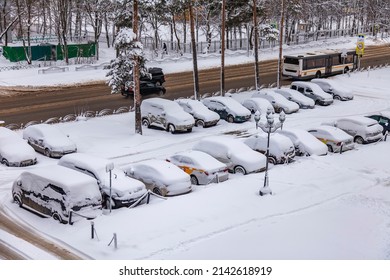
14 151
166 114
228 108
313 91
125 191
202 115
303 101
238 157
334 138
49 140
363 130
278 101
203 168
281 148
334 88
383 118
305 143
258 104
55 191
159 176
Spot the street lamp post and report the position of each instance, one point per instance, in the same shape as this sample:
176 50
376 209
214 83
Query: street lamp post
269 127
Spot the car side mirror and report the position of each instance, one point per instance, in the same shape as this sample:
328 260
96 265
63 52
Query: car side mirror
229 155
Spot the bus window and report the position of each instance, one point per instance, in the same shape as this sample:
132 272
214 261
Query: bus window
336 60
291 60
309 64
320 62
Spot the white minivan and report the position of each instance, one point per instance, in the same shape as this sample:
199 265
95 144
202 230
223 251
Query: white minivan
313 91
56 191
166 114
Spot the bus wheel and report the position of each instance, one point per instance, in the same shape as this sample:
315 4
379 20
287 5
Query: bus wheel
318 74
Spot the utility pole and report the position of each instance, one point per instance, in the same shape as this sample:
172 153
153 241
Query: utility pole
280 60
136 74
223 48
256 46
194 53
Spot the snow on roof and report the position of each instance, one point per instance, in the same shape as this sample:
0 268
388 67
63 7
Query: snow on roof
231 103
359 119
203 159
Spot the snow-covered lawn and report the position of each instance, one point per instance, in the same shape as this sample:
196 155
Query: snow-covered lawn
323 207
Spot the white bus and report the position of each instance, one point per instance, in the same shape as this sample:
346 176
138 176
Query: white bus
318 64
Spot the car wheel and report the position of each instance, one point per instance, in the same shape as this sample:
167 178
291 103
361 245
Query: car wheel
5 162
239 170
317 102
346 69
359 140
158 83
47 152
159 191
271 160
161 93
337 97
199 123
189 130
57 217
318 74
330 148
230 119
171 128
108 203
18 200
145 123
194 180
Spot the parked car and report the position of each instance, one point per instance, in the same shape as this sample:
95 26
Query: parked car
305 143
363 130
14 151
313 91
333 137
281 148
258 104
49 140
146 88
227 108
202 168
202 115
161 177
383 118
166 114
238 157
55 191
332 87
278 101
125 191
303 101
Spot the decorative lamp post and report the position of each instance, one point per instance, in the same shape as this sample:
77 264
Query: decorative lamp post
269 127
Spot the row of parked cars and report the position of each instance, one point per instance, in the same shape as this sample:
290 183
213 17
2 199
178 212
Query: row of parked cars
210 160
184 114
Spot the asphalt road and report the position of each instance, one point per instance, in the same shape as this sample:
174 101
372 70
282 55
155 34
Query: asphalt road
41 104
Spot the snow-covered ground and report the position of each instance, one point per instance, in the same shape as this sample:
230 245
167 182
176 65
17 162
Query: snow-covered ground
334 207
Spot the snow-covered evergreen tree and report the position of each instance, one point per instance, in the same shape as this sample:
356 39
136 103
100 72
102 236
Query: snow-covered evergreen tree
121 68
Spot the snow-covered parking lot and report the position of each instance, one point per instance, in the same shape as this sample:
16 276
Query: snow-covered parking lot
323 207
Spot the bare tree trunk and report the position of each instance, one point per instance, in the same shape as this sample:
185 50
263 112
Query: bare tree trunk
136 74
223 16
175 32
280 60
256 46
194 53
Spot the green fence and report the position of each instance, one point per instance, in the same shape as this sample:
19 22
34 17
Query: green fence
49 52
